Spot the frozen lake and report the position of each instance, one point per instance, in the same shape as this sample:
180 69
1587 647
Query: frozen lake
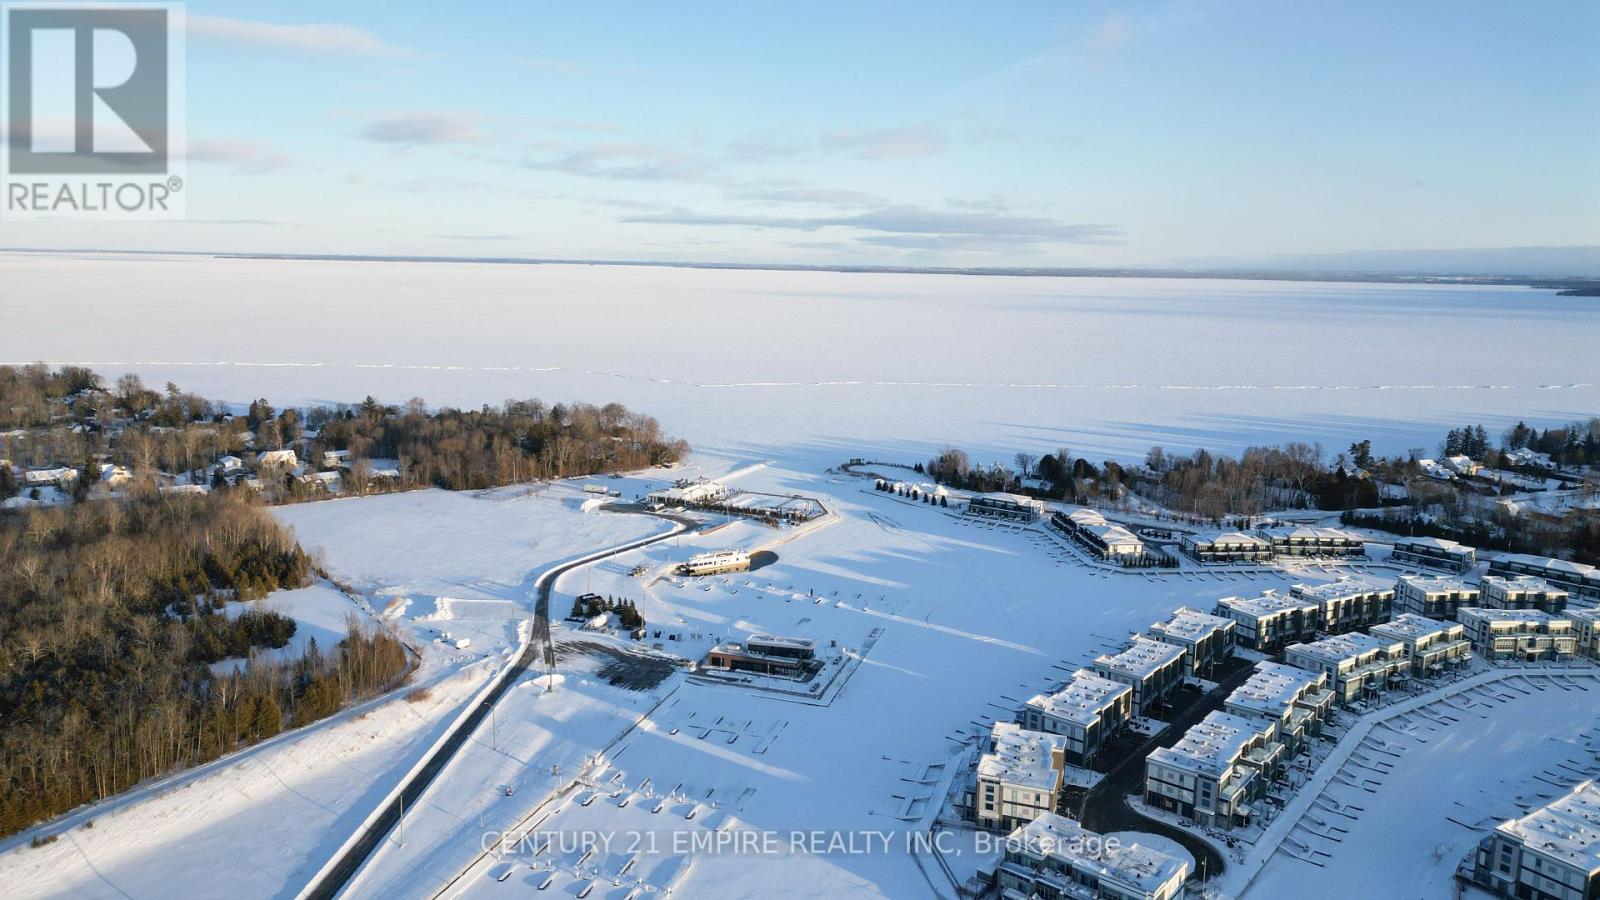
823 365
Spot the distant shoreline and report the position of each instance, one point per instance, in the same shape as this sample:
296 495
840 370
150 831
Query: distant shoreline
1573 286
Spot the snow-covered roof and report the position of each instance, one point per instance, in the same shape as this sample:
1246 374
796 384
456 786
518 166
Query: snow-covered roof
1512 616
1347 586
1021 757
778 640
1274 687
1412 628
1502 585
1230 538
1141 658
1434 542
1083 700
1567 828
1268 604
1313 533
1585 615
1212 744
1340 648
1561 566
1190 624
1437 584
1134 865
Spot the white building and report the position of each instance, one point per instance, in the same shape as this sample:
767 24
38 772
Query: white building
333 459
1433 596
1085 712
1271 621
1098 535
1588 625
715 563
1578 578
1524 634
688 493
1521 592
1208 638
58 476
1305 540
1053 856
1296 700
1011 507
1020 777
277 459
1216 770
1358 665
1151 668
229 463
1552 853
1432 646
1227 547
1349 603
1434 553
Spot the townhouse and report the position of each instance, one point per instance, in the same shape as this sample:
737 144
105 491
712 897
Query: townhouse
1530 635
1226 547
1587 623
1019 778
1009 507
1551 853
1297 701
1086 711
1208 638
1577 578
1432 646
1349 603
1358 666
1216 770
1271 621
1521 592
1433 596
1053 856
1098 535
1305 540
1434 553
1151 668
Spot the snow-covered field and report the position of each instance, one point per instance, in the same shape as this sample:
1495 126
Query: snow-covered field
824 365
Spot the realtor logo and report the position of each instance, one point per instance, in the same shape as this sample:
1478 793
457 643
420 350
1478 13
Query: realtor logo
93 104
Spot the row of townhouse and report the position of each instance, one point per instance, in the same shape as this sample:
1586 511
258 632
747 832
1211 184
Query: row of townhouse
1098 535
1348 604
1434 553
1151 668
1551 853
1578 578
1208 639
1529 635
1216 771
1018 778
1432 646
1267 544
1054 856
1008 507
1440 596
1358 666
1296 700
1272 621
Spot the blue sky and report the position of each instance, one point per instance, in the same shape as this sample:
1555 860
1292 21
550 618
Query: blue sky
1060 134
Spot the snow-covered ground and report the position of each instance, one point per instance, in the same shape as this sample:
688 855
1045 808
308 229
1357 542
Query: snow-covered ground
261 822
824 365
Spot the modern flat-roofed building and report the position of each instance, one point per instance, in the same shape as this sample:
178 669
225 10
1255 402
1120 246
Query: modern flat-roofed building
1358 665
1097 535
1552 853
1226 547
1272 621
1526 634
1296 699
1433 596
1349 603
1053 856
1434 553
1085 712
1578 578
1010 507
1151 668
1432 646
1208 638
1305 540
1019 778
1587 622
688 493
765 655
1521 592
1216 770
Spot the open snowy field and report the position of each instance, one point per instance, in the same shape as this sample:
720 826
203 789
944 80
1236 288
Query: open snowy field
822 365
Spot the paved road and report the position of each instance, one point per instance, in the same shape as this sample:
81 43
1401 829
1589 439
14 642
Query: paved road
540 649
1106 809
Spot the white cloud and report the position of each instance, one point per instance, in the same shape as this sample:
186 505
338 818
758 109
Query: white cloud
319 40
245 156
425 128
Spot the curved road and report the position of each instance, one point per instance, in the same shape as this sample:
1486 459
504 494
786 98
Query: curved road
540 648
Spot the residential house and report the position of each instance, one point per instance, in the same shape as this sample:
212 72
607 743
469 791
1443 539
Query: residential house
1349 603
1216 770
1086 711
1208 638
1434 553
1550 853
1151 668
1296 700
1433 596
1272 621
1530 635
1521 592
1359 666
1019 778
1226 547
1053 856
1432 646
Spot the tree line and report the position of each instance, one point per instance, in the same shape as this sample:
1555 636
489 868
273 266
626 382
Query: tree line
113 617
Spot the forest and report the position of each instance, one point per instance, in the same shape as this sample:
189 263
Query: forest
111 618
